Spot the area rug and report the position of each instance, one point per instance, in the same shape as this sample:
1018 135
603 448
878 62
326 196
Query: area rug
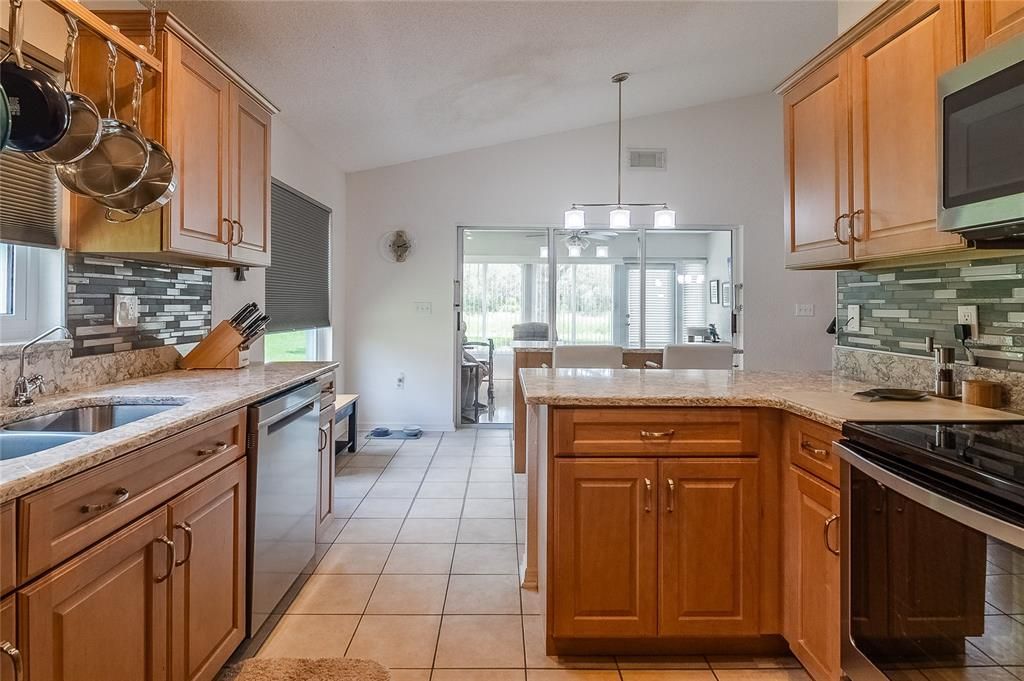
305 669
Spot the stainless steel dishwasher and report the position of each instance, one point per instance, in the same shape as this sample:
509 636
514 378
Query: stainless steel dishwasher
283 459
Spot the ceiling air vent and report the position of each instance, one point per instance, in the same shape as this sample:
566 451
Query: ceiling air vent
649 159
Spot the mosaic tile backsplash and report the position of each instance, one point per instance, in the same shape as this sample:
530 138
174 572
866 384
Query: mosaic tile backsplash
174 303
900 307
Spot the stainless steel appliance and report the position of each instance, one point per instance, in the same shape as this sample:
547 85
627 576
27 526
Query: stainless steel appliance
283 461
933 550
981 144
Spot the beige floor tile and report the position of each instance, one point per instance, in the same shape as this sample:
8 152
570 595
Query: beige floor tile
383 508
412 462
479 675
429 531
537 657
668 675
1006 593
393 490
533 602
354 559
351 490
408 595
396 641
969 674
761 675
492 449
571 675
333 595
436 508
362 460
752 662
497 462
442 490
447 475
669 662
410 674
391 474
370 531
480 641
483 595
489 490
485 559
420 559
487 531
488 508
463 462
310 636
345 506
490 475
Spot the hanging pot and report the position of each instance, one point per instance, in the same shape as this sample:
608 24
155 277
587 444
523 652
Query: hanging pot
38 108
157 185
5 118
119 160
85 124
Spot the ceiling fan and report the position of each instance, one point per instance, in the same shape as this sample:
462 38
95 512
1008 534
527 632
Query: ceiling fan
578 240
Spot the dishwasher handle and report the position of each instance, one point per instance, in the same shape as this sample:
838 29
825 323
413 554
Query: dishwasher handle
290 416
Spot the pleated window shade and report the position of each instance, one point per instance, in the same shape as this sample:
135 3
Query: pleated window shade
299 277
29 202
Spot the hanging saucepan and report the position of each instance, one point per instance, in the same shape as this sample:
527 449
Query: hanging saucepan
5 118
119 160
86 123
157 185
38 107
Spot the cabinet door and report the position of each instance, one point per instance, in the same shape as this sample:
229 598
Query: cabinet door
11 656
250 180
894 68
812 573
197 139
604 566
817 147
709 538
208 526
990 22
325 489
104 613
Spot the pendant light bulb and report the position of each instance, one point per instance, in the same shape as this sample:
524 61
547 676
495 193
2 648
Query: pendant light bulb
619 218
601 251
664 219
544 252
575 250
574 218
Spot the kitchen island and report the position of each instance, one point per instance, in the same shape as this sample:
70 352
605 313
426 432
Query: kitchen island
656 502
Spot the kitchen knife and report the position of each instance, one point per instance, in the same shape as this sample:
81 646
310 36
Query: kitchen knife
253 325
243 315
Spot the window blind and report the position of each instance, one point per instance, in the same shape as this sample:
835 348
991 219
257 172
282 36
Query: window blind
694 291
29 202
659 308
298 279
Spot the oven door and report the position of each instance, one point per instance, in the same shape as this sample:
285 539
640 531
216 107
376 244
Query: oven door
932 589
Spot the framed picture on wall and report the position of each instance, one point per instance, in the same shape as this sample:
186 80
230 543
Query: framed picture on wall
713 291
726 294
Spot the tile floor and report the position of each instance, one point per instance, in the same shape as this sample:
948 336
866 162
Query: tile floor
423 576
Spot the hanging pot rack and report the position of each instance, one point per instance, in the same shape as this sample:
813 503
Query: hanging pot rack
89 20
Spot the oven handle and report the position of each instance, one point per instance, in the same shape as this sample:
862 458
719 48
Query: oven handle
965 515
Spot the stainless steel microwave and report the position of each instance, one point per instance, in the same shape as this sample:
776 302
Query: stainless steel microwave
981 145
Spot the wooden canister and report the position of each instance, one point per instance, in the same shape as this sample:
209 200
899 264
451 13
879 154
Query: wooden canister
983 393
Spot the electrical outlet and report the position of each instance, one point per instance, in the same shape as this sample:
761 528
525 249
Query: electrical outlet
422 307
968 314
126 311
400 382
804 310
852 318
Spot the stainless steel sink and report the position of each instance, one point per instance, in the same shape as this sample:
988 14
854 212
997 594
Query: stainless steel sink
13 445
84 420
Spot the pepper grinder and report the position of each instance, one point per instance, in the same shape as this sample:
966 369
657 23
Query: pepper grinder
945 359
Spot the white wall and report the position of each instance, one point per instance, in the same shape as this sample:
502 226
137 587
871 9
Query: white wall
725 166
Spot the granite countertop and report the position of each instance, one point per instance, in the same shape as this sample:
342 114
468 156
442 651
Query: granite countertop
818 395
548 346
201 395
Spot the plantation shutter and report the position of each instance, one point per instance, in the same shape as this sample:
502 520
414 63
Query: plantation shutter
29 202
659 308
299 277
692 287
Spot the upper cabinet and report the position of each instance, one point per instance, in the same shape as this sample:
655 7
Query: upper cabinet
216 128
990 22
861 139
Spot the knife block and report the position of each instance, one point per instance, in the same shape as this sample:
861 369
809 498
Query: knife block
219 350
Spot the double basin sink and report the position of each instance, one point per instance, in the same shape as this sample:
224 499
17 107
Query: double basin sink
35 434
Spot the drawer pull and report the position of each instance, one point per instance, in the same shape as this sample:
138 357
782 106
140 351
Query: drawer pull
219 449
816 452
120 496
187 529
15 655
828 526
324 438
671 495
648 495
835 228
169 546
652 434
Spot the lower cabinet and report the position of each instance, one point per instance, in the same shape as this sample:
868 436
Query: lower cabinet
811 562
643 548
325 476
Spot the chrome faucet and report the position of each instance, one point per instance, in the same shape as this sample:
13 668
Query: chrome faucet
25 386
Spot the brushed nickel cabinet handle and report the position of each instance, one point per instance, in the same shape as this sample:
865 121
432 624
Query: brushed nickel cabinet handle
657 433
169 546
828 524
816 452
120 496
671 506
324 437
219 449
849 223
187 529
15 656
231 231
241 232
648 495
835 228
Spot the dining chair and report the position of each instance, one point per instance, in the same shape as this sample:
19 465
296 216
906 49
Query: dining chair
587 357
697 356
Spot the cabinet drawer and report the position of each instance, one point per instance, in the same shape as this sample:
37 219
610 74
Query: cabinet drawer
810 448
65 518
8 550
655 432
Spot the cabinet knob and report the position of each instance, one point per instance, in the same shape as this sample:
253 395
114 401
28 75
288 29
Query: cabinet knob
828 539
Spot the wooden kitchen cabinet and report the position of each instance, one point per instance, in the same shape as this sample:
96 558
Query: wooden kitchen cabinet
709 548
249 167
812 589
208 587
325 476
9 653
988 23
604 580
104 613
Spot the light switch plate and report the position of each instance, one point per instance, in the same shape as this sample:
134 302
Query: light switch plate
804 310
852 318
423 307
126 311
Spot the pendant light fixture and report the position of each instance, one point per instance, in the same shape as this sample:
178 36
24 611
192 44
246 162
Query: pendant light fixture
619 216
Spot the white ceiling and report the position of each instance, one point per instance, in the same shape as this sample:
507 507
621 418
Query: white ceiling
377 83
